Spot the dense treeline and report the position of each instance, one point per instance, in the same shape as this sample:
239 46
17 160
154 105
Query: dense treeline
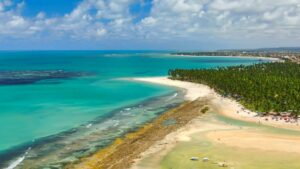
266 87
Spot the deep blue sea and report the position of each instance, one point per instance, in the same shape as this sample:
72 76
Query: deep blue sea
57 106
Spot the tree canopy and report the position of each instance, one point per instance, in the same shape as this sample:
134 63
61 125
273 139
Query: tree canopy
265 87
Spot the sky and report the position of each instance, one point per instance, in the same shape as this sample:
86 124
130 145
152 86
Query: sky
148 24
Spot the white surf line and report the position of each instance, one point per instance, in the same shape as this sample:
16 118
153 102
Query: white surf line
15 163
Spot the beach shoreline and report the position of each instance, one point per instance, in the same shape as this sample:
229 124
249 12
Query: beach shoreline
225 106
155 138
249 57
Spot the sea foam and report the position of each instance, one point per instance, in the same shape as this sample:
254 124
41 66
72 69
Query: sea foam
18 161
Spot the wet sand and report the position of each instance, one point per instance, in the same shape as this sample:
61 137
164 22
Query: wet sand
185 132
231 155
256 140
234 145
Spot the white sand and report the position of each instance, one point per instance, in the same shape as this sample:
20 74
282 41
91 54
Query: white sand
256 140
225 106
163 147
230 134
193 90
218 133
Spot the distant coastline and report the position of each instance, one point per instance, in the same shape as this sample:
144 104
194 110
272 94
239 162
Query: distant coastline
230 56
286 55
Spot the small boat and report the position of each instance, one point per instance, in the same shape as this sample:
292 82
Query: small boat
194 158
205 159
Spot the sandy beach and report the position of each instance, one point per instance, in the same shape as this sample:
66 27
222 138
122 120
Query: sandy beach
193 91
197 131
225 135
222 144
250 57
225 106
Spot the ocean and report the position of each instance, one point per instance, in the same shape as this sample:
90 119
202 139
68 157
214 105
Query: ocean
58 106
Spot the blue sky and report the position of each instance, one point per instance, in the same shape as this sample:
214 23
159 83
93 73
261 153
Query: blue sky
49 7
148 24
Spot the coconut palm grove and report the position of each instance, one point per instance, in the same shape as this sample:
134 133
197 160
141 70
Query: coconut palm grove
265 87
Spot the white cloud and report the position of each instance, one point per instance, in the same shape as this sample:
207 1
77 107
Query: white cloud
242 20
101 32
16 22
149 21
228 19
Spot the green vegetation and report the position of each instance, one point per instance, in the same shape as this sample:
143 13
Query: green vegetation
266 87
204 110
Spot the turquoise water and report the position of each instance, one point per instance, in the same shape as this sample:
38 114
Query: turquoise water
50 106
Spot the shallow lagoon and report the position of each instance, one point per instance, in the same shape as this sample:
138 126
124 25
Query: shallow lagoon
235 157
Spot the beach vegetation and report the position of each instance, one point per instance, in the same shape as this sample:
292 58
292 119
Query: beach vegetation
204 110
264 88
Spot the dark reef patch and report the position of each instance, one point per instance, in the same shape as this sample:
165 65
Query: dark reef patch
30 77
